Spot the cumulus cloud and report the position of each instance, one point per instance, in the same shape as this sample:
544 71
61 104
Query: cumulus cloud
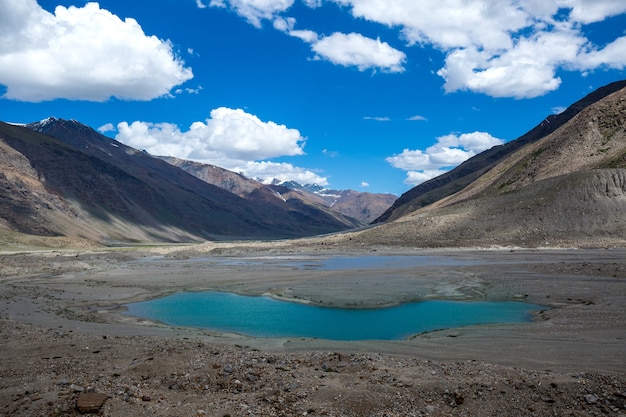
267 171
230 138
417 117
526 70
84 53
348 50
612 55
449 151
231 133
354 49
509 48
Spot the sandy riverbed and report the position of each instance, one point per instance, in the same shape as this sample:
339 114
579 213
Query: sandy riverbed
67 304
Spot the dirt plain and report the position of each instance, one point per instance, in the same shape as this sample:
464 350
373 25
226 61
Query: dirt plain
67 348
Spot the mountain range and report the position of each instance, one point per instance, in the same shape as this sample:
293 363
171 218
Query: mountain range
364 207
61 178
562 183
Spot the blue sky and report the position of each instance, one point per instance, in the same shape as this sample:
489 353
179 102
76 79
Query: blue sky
371 95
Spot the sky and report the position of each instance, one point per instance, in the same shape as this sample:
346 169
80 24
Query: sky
371 95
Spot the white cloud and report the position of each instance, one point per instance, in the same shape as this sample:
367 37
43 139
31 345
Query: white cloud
586 11
417 117
509 48
357 50
313 3
377 118
84 53
200 4
330 154
347 50
109 127
414 178
526 70
228 134
189 90
267 171
612 55
232 139
449 151
255 11
364 184
446 23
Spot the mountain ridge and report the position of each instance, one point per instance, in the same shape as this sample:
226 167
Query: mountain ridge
106 190
565 189
458 178
363 207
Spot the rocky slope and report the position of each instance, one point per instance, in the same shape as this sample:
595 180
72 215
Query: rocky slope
364 207
568 188
60 177
458 178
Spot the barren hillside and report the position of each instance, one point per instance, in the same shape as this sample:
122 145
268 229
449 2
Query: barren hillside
568 188
61 178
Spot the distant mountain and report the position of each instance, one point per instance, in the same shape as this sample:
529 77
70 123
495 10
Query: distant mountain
470 170
566 188
364 207
59 177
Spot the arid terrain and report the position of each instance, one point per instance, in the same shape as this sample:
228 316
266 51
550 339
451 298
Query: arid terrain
538 220
67 347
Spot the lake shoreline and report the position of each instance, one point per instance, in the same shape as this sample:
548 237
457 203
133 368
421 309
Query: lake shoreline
266 317
95 289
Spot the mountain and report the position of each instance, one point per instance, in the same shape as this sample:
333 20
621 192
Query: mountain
364 207
565 188
470 170
61 178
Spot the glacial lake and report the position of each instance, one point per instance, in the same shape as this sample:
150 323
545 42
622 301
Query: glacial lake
262 316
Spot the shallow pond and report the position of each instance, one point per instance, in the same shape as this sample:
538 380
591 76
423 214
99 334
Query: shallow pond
266 317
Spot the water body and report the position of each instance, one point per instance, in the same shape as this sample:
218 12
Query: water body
266 317
336 263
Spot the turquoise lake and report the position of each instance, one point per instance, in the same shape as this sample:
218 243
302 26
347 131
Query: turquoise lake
265 317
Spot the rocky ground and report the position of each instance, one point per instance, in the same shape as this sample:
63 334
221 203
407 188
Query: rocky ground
55 372
58 359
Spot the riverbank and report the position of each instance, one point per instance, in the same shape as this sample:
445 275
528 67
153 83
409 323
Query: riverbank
64 303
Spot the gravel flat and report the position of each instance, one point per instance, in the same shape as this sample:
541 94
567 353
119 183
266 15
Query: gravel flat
67 346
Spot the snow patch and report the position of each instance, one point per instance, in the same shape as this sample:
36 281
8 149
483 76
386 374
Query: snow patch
280 196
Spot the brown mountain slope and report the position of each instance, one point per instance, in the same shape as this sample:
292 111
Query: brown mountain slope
220 177
568 188
86 185
470 170
258 193
364 207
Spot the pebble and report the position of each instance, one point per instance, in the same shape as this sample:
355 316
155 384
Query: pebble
90 402
76 388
